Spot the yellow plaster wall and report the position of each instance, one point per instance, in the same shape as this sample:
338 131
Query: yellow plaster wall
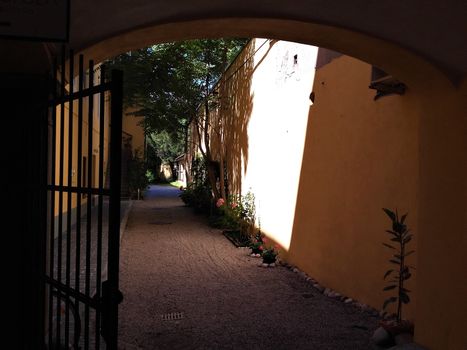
133 125
84 147
442 262
264 104
360 155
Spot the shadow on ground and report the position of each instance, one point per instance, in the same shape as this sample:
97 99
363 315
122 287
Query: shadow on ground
187 287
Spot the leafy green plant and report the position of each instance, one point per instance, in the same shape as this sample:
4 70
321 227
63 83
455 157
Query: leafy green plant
198 197
198 194
270 254
225 218
137 179
150 176
256 242
238 213
401 236
248 208
236 216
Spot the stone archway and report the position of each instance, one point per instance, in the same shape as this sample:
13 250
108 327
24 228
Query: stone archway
442 165
422 45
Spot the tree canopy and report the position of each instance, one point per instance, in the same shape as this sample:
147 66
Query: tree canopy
166 83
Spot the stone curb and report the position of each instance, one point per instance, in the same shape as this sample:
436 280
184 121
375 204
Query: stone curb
331 293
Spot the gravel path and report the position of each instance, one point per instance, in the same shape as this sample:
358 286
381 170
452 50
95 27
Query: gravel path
174 266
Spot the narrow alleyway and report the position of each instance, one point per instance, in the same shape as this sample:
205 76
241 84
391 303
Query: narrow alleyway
186 286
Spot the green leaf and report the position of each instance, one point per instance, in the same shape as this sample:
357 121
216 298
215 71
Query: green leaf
406 276
404 298
398 227
389 287
407 239
387 273
389 301
403 218
406 232
389 213
388 245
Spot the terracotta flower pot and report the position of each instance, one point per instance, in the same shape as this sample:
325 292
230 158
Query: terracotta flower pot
394 328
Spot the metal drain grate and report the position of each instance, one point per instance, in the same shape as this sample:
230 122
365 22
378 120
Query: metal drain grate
173 316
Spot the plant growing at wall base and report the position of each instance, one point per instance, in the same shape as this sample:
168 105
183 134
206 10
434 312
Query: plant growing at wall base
198 193
269 254
256 242
137 179
400 237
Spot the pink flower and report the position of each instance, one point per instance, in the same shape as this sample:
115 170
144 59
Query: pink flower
234 205
260 247
220 202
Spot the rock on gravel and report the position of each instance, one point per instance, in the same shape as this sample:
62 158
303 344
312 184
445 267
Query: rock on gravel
319 287
381 337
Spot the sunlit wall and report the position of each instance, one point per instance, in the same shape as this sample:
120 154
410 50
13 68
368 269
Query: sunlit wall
281 85
264 105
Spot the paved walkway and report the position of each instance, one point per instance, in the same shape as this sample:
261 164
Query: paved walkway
187 287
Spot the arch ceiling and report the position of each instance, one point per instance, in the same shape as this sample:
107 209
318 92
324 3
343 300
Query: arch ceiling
434 30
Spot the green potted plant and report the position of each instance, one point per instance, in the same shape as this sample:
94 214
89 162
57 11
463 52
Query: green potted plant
398 275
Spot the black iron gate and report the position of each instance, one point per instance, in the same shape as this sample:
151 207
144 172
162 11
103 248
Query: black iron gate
83 190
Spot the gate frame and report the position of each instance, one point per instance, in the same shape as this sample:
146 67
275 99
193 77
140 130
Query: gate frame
105 302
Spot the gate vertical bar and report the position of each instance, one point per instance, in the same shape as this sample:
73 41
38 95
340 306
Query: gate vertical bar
100 202
88 205
114 209
60 198
79 184
43 215
69 197
53 156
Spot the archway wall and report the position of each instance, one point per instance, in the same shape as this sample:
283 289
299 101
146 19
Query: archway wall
442 242
417 24
396 60
442 166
